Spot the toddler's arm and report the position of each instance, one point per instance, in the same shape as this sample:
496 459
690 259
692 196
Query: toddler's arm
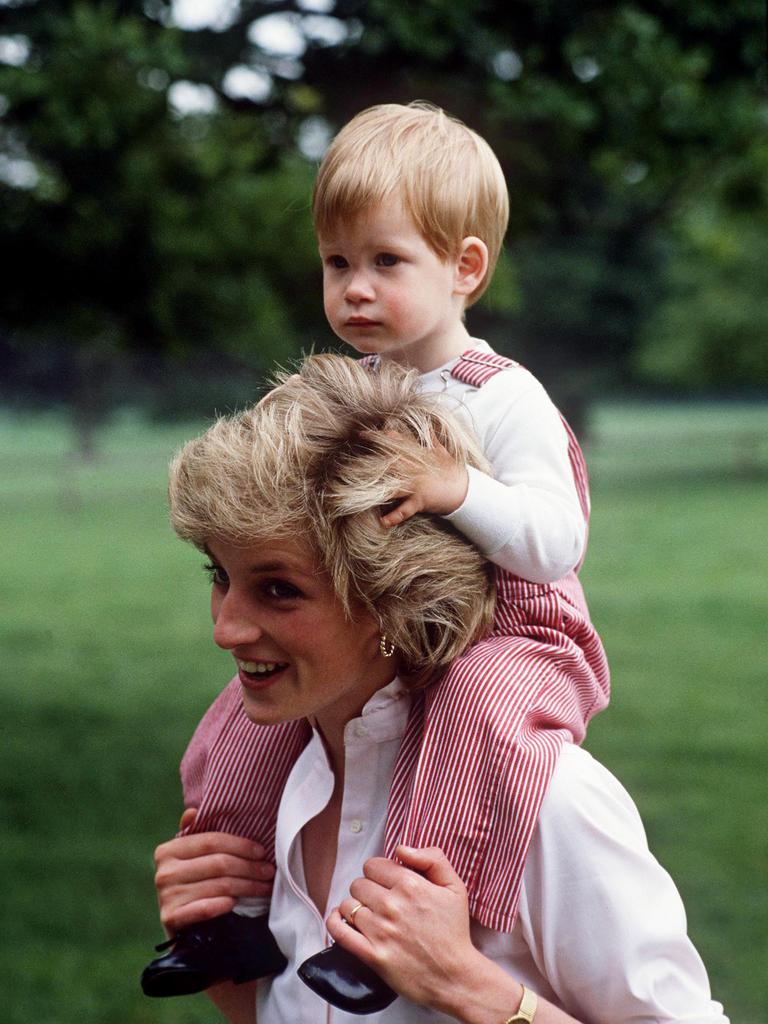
526 517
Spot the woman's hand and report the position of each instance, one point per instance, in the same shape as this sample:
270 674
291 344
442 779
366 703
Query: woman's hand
201 876
412 926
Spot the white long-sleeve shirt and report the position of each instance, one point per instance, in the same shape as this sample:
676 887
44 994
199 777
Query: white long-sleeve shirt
601 930
526 516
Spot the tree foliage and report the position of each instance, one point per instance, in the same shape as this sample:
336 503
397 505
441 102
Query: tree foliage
711 325
134 225
145 229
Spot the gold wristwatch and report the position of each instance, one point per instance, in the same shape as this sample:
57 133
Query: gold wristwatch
527 1009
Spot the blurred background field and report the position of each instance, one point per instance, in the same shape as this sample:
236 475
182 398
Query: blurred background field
108 664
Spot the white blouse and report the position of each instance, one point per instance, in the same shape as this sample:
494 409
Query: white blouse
601 930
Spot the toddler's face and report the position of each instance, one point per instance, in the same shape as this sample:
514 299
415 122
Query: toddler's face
386 291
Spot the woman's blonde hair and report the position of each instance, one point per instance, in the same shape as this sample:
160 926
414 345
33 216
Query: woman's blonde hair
320 458
447 176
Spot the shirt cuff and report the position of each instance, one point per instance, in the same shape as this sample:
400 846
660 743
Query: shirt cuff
477 516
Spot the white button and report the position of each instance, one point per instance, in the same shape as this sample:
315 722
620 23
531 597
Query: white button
356 826
361 730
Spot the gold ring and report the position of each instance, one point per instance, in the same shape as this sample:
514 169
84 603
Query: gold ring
351 915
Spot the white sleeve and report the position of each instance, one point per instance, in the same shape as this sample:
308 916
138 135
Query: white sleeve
526 517
603 920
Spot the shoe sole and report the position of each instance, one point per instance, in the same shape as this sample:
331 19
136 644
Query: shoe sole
176 983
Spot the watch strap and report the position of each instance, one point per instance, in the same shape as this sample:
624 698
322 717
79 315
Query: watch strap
527 1009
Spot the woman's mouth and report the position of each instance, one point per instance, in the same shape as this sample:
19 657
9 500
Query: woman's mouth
255 674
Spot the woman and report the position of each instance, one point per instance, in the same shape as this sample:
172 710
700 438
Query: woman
337 626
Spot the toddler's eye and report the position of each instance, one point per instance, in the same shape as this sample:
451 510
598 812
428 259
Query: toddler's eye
387 259
337 262
216 574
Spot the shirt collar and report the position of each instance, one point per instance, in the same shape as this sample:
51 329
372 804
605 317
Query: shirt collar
383 717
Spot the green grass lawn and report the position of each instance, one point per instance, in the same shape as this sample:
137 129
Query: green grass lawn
107 665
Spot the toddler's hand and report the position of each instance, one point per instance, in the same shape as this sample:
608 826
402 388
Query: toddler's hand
441 489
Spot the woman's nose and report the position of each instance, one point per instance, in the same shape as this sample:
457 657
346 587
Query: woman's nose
234 622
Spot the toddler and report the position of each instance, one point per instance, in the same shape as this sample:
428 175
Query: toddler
410 209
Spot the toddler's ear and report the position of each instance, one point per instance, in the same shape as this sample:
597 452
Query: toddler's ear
471 265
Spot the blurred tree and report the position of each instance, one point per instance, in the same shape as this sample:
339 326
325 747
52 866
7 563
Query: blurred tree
609 119
156 178
710 329
132 226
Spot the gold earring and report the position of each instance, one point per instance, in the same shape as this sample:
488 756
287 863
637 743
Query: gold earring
387 647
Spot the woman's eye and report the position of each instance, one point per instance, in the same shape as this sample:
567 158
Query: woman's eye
216 574
387 259
279 590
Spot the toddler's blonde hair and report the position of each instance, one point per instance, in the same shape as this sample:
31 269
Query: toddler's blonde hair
447 176
318 459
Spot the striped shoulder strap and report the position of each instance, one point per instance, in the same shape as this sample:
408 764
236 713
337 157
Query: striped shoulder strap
476 368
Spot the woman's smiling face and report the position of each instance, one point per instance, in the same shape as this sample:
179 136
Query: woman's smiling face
298 655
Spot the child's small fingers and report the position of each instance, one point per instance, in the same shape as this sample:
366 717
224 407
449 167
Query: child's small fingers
394 517
390 519
404 511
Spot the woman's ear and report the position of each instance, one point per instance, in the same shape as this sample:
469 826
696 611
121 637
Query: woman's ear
471 265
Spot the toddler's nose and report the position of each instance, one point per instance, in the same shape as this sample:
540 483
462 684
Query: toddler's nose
359 288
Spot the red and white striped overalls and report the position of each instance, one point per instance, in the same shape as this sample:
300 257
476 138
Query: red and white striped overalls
480 744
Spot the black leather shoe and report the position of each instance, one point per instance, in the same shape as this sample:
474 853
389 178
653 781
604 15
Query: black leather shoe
346 982
226 948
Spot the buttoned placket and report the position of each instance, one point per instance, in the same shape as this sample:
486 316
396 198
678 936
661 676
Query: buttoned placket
371 743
